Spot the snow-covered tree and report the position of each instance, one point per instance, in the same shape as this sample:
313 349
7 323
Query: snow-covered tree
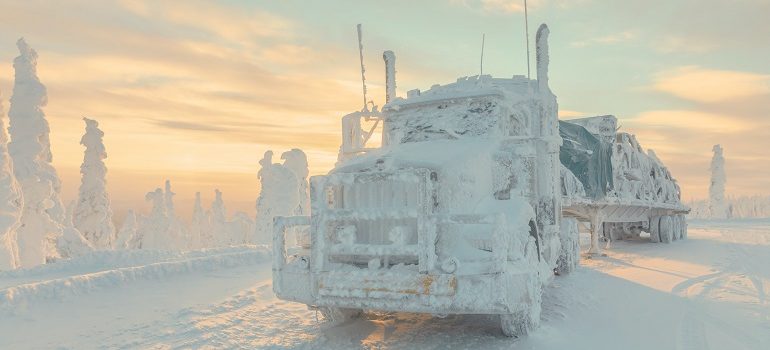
296 161
127 237
72 243
200 233
161 229
717 204
279 196
177 232
93 214
30 149
154 227
240 228
218 218
168 199
10 204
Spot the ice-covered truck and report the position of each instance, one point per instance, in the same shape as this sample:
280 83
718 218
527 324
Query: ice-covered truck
470 205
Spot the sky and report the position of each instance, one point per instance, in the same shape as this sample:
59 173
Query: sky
197 91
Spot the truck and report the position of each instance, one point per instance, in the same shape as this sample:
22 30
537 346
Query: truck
471 204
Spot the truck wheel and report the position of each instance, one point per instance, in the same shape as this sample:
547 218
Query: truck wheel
684 226
338 315
569 254
675 228
520 323
666 229
516 325
655 229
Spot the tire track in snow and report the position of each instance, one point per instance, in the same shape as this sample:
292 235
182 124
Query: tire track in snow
253 318
691 332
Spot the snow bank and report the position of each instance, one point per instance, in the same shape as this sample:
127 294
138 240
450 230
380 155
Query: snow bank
14 298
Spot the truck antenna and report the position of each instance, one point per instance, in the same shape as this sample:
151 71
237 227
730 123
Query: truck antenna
526 32
361 57
482 55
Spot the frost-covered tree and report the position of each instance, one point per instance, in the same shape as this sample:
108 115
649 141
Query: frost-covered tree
218 217
279 196
93 214
30 149
10 204
127 237
72 243
200 234
178 235
296 161
155 227
168 199
160 229
717 204
240 228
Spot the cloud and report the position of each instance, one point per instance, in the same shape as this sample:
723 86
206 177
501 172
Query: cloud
682 44
237 25
507 7
711 86
606 40
567 114
694 121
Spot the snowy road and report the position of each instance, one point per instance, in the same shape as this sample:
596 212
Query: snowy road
709 292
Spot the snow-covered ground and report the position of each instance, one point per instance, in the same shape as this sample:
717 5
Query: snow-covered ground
711 291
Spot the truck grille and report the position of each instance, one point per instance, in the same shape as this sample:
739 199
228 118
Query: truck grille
375 215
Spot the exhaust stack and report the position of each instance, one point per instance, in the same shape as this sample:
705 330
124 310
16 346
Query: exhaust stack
390 75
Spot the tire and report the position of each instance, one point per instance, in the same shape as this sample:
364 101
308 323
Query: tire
520 323
516 325
666 229
655 229
674 229
684 226
569 254
338 315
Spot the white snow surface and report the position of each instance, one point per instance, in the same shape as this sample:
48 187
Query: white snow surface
707 292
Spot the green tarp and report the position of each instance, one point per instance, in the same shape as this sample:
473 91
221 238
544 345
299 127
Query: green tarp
587 157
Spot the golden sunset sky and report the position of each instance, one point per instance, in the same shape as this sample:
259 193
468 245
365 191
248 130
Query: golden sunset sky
197 91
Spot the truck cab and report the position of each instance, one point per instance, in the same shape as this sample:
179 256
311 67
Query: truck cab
458 212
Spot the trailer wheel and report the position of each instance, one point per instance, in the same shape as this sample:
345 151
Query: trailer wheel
338 315
675 228
655 229
666 229
684 226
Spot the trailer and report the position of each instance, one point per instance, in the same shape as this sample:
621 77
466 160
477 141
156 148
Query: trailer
471 203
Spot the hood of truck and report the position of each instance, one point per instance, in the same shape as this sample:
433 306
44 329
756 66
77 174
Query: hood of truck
438 155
